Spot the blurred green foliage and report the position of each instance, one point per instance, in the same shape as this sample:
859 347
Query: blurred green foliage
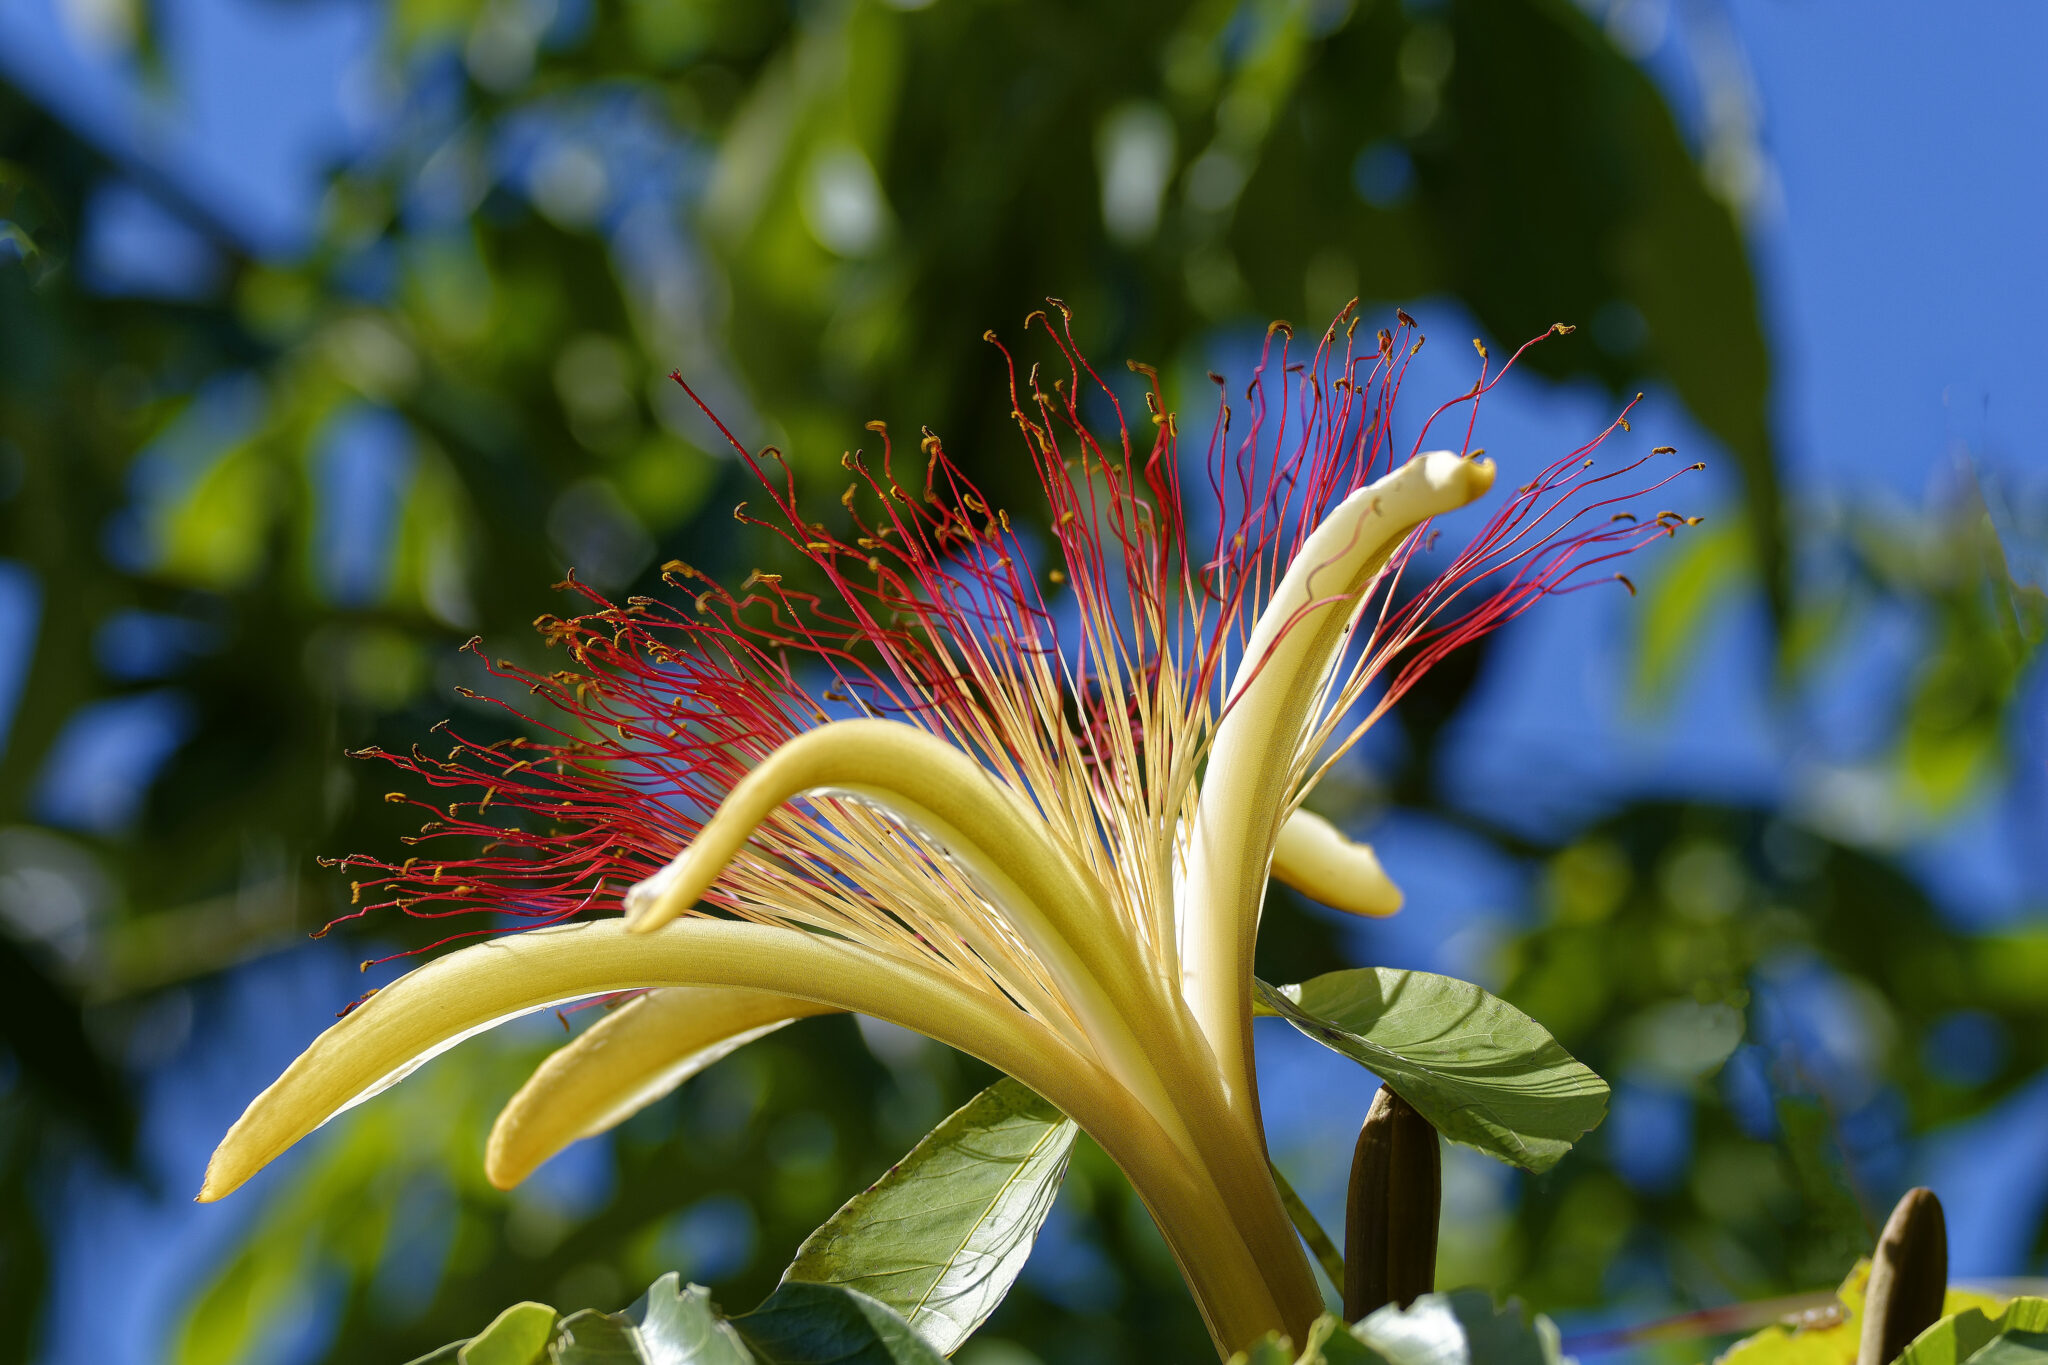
1661 927
814 212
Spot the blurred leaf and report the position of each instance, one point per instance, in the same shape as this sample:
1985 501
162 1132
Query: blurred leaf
1484 1073
1523 113
945 1231
1271 1349
1689 581
1625 224
41 1024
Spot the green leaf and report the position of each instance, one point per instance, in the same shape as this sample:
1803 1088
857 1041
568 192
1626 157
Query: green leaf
809 1324
518 1336
1963 1337
941 1236
1832 1338
677 1324
1463 1327
594 1338
2015 1348
1690 580
1484 1073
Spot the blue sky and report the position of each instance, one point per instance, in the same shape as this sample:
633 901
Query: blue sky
1903 272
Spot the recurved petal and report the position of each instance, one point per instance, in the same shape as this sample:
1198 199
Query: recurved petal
429 1010
1290 651
1314 858
626 1061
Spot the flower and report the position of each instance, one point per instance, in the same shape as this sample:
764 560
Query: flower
1021 799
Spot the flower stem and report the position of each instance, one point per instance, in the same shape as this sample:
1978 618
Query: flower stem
1326 1253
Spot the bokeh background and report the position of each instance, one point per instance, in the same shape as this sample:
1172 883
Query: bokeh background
333 331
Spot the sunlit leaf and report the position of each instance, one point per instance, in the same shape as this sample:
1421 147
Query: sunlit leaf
1695 576
2014 1348
1966 1335
942 1235
678 1324
518 1336
1484 1073
1833 1338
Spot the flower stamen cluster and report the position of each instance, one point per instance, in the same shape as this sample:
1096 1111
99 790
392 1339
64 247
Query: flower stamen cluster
1017 787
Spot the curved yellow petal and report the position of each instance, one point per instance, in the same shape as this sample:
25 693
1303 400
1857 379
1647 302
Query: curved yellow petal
1313 856
429 1010
1293 645
1243 1285
985 828
626 1061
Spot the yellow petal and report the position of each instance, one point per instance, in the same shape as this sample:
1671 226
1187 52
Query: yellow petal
1314 858
1244 1282
626 1061
1287 660
454 997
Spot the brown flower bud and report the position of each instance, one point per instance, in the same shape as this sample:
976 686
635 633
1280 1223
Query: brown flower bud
1908 1278
1390 1225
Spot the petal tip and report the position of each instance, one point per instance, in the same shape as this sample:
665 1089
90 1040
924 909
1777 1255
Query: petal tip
1479 476
1464 477
216 1186
503 1164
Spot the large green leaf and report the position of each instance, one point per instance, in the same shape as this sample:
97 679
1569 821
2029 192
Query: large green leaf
678 1324
1484 1073
941 1236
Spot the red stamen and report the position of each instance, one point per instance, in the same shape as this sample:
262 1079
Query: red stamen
931 612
